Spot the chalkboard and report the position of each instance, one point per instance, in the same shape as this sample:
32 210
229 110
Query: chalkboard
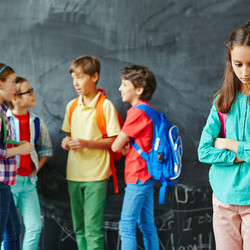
180 41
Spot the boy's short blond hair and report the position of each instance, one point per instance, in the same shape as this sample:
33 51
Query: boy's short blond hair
85 64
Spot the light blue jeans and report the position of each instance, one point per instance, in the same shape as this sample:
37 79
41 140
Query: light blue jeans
138 207
26 199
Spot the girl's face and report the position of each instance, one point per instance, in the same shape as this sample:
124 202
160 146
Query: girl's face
8 88
240 57
129 93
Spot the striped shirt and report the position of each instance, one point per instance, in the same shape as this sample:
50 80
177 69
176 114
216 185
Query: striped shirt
44 145
8 166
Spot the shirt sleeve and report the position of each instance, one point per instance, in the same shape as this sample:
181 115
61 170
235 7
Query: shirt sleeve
45 148
135 123
66 125
244 151
207 152
111 118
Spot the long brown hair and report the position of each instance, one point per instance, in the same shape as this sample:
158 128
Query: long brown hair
230 82
5 72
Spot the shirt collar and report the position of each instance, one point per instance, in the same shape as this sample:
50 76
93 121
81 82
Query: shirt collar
92 104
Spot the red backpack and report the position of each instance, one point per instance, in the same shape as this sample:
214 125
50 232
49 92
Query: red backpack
102 126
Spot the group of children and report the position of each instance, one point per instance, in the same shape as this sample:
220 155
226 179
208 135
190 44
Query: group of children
88 165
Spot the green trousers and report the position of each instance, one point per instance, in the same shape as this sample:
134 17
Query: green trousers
87 200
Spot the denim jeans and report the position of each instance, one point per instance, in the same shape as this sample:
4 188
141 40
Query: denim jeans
26 199
138 207
9 221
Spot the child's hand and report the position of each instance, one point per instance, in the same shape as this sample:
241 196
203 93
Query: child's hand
65 143
25 148
33 173
78 144
126 148
220 143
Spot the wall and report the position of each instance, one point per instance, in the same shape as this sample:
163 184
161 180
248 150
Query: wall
180 41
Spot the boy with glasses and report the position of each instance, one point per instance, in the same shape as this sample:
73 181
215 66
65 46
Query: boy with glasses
27 126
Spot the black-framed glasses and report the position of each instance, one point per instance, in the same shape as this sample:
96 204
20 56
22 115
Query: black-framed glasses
26 92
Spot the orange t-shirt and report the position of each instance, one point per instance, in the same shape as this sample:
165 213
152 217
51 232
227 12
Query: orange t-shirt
26 165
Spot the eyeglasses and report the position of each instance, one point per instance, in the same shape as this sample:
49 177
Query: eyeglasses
27 92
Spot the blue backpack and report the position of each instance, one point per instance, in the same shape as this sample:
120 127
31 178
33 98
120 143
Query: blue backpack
164 161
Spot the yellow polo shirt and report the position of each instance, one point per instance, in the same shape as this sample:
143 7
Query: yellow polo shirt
89 164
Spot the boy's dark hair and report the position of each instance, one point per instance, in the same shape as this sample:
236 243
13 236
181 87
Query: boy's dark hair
19 79
141 77
86 64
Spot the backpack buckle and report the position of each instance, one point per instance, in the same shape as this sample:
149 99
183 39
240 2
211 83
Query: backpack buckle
160 157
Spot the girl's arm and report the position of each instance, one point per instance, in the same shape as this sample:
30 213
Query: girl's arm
229 144
120 142
207 152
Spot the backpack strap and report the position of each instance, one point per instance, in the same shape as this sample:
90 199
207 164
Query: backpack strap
37 129
102 126
150 112
100 115
223 120
4 129
142 153
165 185
153 115
72 108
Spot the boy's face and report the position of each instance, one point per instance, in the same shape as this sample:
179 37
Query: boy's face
84 84
26 97
129 93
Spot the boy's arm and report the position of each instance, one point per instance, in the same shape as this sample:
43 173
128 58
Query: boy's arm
44 142
79 144
23 149
119 142
42 161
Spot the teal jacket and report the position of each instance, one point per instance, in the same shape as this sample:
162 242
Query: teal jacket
230 181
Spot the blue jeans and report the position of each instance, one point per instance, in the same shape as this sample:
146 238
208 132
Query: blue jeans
10 227
26 199
138 207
